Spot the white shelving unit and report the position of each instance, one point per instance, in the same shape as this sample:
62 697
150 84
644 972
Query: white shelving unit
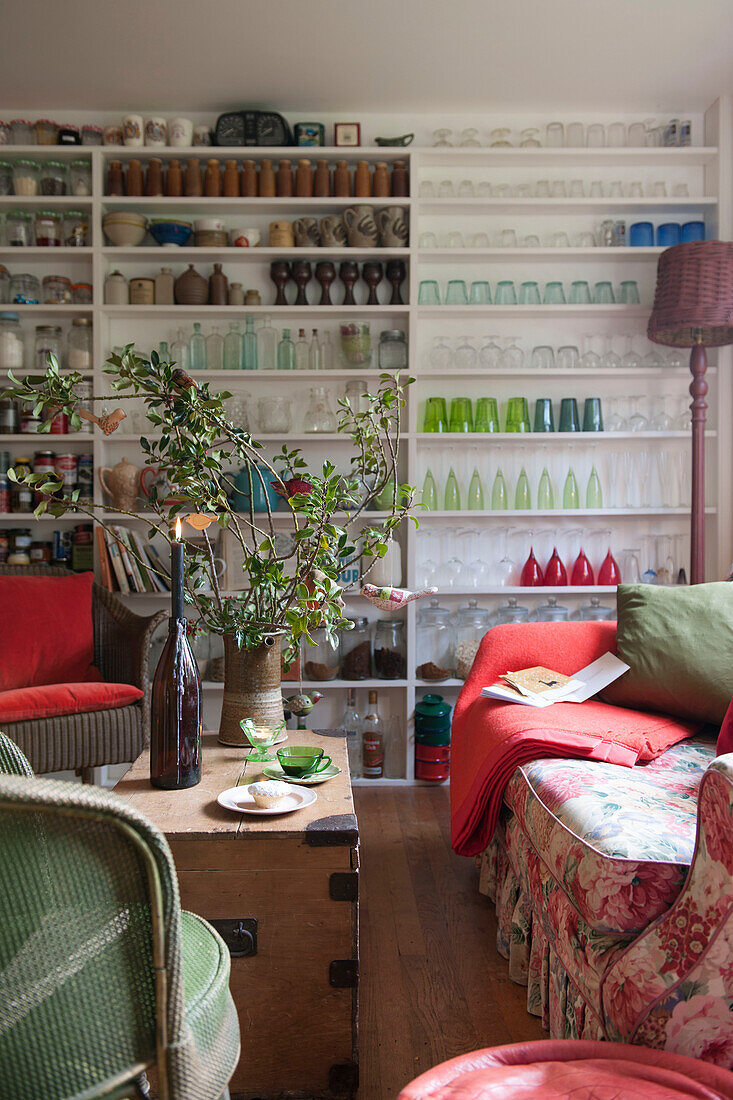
707 171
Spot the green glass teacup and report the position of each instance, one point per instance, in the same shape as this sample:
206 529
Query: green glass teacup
301 761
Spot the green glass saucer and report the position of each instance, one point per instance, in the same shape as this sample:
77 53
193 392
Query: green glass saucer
274 771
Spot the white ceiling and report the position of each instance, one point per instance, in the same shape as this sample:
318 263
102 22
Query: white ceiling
306 56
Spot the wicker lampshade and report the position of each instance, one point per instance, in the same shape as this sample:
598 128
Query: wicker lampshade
693 302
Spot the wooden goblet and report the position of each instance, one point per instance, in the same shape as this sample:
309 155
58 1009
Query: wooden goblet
280 275
302 276
396 273
325 275
349 273
372 275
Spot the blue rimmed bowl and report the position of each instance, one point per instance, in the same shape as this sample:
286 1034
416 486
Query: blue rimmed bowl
170 234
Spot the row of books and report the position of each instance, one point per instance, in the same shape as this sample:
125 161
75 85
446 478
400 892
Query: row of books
129 563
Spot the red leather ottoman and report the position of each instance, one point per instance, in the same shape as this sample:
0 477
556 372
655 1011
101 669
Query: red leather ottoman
559 1069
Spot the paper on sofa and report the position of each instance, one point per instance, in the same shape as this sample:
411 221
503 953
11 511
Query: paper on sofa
584 684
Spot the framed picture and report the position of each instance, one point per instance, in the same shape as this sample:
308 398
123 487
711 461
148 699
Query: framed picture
347 133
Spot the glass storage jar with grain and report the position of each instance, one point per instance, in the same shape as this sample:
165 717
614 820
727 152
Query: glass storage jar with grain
4 285
22 132
434 643
472 623
56 290
321 662
80 344
390 653
6 177
356 651
25 177
76 229
80 177
47 342
48 229
18 228
52 177
392 350
25 289
47 132
12 345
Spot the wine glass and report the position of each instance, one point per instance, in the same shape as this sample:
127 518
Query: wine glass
630 359
466 356
441 356
261 738
490 354
609 359
512 357
440 137
636 421
589 360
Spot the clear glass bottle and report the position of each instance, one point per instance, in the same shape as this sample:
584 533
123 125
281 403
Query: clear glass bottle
321 662
319 415
215 350
372 741
180 351
390 653
302 351
351 725
315 352
249 345
392 350
285 352
197 348
472 623
267 344
434 643
327 356
233 347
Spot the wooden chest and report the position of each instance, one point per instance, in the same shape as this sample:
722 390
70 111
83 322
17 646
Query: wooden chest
283 891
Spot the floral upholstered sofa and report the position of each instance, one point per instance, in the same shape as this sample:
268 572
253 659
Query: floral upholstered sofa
613 888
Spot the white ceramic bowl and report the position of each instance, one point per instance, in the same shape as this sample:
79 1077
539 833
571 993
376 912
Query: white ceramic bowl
125 234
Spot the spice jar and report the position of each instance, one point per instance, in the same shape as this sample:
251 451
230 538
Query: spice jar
390 653
25 177
52 178
80 344
47 132
11 342
80 177
56 290
22 132
356 651
25 289
47 229
69 134
434 643
91 135
392 350
47 342
6 177
18 228
321 662
76 228
472 623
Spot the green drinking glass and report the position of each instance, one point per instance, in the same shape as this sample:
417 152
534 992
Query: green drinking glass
592 415
603 294
436 415
456 295
506 295
428 293
476 493
544 418
517 415
628 292
580 293
529 294
569 419
461 415
554 294
545 492
480 294
430 492
487 415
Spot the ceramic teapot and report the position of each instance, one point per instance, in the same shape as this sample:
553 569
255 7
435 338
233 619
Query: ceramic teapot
121 483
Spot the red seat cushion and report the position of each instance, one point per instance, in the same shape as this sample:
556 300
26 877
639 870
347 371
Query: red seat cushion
53 700
46 632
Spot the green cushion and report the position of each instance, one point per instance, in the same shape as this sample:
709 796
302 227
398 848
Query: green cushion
679 644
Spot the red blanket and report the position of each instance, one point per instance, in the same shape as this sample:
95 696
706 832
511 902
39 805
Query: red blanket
490 738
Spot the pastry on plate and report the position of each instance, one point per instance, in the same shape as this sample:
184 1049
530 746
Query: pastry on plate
269 794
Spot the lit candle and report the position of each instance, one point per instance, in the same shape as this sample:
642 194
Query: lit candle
177 573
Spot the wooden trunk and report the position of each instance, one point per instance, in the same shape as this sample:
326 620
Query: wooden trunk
296 876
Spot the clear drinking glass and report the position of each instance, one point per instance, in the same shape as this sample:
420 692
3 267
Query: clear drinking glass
426 190
500 137
440 137
490 354
628 293
480 240
554 135
469 136
466 356
428 240
595 135
630 358
636 421
506 295
567 358
508 238
596 189
480 294
428 293
457 294
585 240
554 294
542 358
512 357
603 294
580 293
465 189
529 294
575 134
446 189
558 189
440 354
636 134
616 134
455 240
529 137
542 189
577 189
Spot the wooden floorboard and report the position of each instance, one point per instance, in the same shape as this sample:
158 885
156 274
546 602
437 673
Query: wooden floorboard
432 982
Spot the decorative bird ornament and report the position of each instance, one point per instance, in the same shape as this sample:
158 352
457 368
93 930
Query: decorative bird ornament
392 599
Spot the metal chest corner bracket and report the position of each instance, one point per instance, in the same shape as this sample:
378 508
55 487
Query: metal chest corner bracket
343 973
239 934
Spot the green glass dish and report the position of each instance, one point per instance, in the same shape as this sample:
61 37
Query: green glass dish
299 761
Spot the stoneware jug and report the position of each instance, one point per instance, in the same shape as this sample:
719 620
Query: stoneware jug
306 232
191 289
392 222
121 484
333 231
361 227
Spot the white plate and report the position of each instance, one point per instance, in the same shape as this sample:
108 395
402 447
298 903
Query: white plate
241 801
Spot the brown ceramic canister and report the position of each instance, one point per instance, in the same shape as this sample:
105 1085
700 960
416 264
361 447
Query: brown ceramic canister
193 184
322 180
191 289
284 179
380 184
236 295
174 179
342 180
230 180
134 178
362 180
268 187
218 287
154 178
212 180
248 180
115 178
281 235
400 179
142 292
253 298
304 179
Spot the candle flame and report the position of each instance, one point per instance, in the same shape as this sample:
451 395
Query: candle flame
178 529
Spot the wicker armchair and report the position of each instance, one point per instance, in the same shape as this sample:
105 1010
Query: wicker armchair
80 742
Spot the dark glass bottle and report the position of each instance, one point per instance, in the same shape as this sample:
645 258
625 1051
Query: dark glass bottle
175 739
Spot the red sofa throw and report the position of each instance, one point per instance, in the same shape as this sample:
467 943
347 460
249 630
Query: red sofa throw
490 738
54 700
46 632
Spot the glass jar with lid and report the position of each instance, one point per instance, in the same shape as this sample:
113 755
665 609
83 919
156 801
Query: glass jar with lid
80 177
4 284
12 345
80 344
356 651
472 623
56 290
321 661
552 612
392 350
25 289
47 132
47 342
76 229
91 134
6 177
22 132
595 611
52 178
25 177
319 416
19 228
81 294
512 612
435 641
48 228
390 652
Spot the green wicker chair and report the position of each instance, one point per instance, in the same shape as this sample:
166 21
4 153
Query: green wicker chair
102 976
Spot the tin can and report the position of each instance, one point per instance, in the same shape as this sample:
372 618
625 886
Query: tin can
4 547
40 552
29 424
85 474
62 546
309 133
686 132
672 132
66 466
43 463
620 228
59 424
4 497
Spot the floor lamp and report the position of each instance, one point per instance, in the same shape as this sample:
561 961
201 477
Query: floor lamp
693 308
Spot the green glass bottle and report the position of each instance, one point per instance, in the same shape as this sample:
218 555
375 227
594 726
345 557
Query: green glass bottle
594 493
476 493
286 352
570 493
452 493
499 495
197 348
233 347
522 493
249 345
545 492
163 351
430 492
267 343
